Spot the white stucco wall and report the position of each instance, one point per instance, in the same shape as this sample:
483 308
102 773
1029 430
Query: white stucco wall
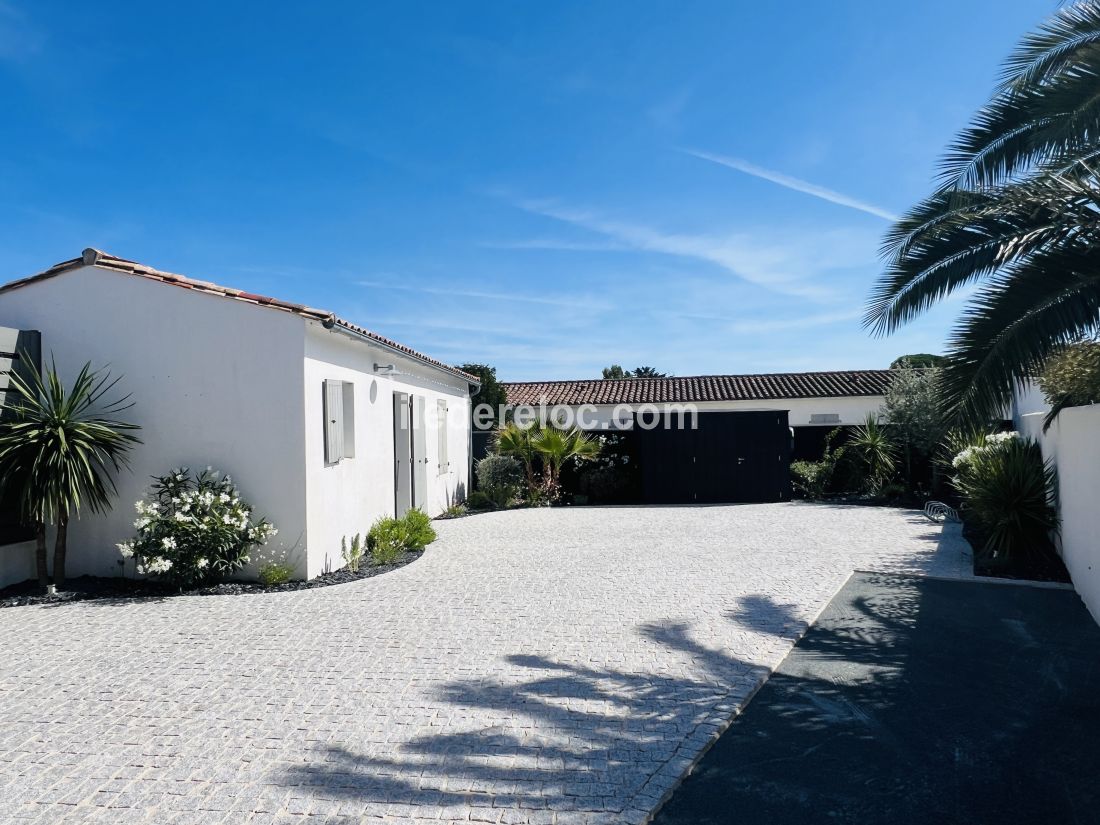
345 498
851 410
213 381
1073 444
17 563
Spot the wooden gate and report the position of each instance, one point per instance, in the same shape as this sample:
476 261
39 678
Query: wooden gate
730 457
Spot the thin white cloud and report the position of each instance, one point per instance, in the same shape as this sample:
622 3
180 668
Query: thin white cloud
786 264
487 296
781 324
796 184
554 244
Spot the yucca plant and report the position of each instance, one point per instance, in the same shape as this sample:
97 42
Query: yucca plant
876 450
1016 218
1009 491
59 450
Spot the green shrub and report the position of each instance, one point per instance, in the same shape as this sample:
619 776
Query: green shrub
479 500
500 478
390 538
387 540
1071 378
454 511
499 471
275 573
1008 495
811 478
419 532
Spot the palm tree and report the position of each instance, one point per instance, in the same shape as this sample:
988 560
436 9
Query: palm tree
58 450
517 441
876 449
1017 216
556 446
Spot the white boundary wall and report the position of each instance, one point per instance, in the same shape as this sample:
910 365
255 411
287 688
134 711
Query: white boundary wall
1073 444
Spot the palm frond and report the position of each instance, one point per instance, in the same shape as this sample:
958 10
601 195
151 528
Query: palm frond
60 448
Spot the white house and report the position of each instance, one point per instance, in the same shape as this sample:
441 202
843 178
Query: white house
324 426
712 438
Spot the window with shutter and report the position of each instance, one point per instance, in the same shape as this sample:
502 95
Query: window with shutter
441 435
334 421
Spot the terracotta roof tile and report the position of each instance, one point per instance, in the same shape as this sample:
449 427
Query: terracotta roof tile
95 257
699 388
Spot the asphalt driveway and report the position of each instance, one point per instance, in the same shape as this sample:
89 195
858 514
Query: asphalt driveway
562 665
916 700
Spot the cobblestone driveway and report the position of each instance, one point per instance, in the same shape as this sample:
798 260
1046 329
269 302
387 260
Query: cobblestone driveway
534 666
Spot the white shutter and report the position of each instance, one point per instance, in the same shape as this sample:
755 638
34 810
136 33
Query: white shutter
348 408
334 421
441 435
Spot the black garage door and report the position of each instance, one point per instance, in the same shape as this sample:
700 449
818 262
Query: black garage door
729 457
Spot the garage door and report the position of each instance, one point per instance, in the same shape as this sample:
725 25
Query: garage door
729 457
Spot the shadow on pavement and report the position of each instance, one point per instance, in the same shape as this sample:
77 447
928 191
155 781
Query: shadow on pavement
913 701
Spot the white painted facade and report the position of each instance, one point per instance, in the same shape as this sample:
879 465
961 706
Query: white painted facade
238 386
1073 444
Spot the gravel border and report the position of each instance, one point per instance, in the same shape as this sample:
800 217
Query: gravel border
119 589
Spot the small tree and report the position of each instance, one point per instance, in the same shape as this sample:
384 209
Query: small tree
491 393
913 409
615 373
648 372
58 451
917 360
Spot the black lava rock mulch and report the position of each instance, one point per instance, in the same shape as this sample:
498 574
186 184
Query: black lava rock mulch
86 588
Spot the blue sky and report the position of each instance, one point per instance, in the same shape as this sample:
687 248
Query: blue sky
548 188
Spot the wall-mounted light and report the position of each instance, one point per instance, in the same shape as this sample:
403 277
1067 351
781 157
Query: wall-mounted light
387 369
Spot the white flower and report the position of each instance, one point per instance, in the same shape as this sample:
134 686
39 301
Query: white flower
139 506
168 543
159 565
141 523
223 498
126 549
183 517
202 563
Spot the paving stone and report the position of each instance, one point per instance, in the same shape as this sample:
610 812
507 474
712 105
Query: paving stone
549 666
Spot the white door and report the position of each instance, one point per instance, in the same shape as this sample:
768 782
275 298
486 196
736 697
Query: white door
402 455
420 452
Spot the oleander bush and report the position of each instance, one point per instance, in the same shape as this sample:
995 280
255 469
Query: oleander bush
194 529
